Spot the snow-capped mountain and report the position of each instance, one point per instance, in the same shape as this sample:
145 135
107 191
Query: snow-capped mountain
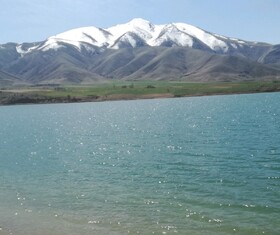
139 49
140 32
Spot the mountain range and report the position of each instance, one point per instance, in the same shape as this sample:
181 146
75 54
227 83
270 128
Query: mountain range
137 50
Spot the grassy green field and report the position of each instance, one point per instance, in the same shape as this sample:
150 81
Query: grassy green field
129 90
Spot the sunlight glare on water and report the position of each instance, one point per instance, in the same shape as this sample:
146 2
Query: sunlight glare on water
204 165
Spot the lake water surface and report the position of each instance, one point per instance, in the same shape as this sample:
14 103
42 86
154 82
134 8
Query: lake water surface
202 165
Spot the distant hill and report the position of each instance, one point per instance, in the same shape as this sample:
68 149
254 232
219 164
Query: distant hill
138 50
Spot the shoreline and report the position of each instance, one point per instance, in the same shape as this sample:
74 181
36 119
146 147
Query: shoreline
129 91
30 100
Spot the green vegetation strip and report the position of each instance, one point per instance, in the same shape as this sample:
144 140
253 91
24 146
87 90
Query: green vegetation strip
129 90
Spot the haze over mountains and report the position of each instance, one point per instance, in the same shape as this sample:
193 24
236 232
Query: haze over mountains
137 50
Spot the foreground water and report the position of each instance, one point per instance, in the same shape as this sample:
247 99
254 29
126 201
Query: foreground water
205 165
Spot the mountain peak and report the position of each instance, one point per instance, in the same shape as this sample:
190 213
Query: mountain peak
141 24
141 32
139 21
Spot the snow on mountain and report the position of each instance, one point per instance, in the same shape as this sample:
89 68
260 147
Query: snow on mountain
136 33
128 39
22 51
207 38
143 28
76 37
170 35
91 35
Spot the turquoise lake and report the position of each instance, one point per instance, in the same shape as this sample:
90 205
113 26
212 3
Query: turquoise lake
201 165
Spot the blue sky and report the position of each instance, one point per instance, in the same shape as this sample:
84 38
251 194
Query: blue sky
35 20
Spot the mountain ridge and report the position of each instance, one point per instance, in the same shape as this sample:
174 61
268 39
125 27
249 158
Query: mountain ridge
137 50
151 34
